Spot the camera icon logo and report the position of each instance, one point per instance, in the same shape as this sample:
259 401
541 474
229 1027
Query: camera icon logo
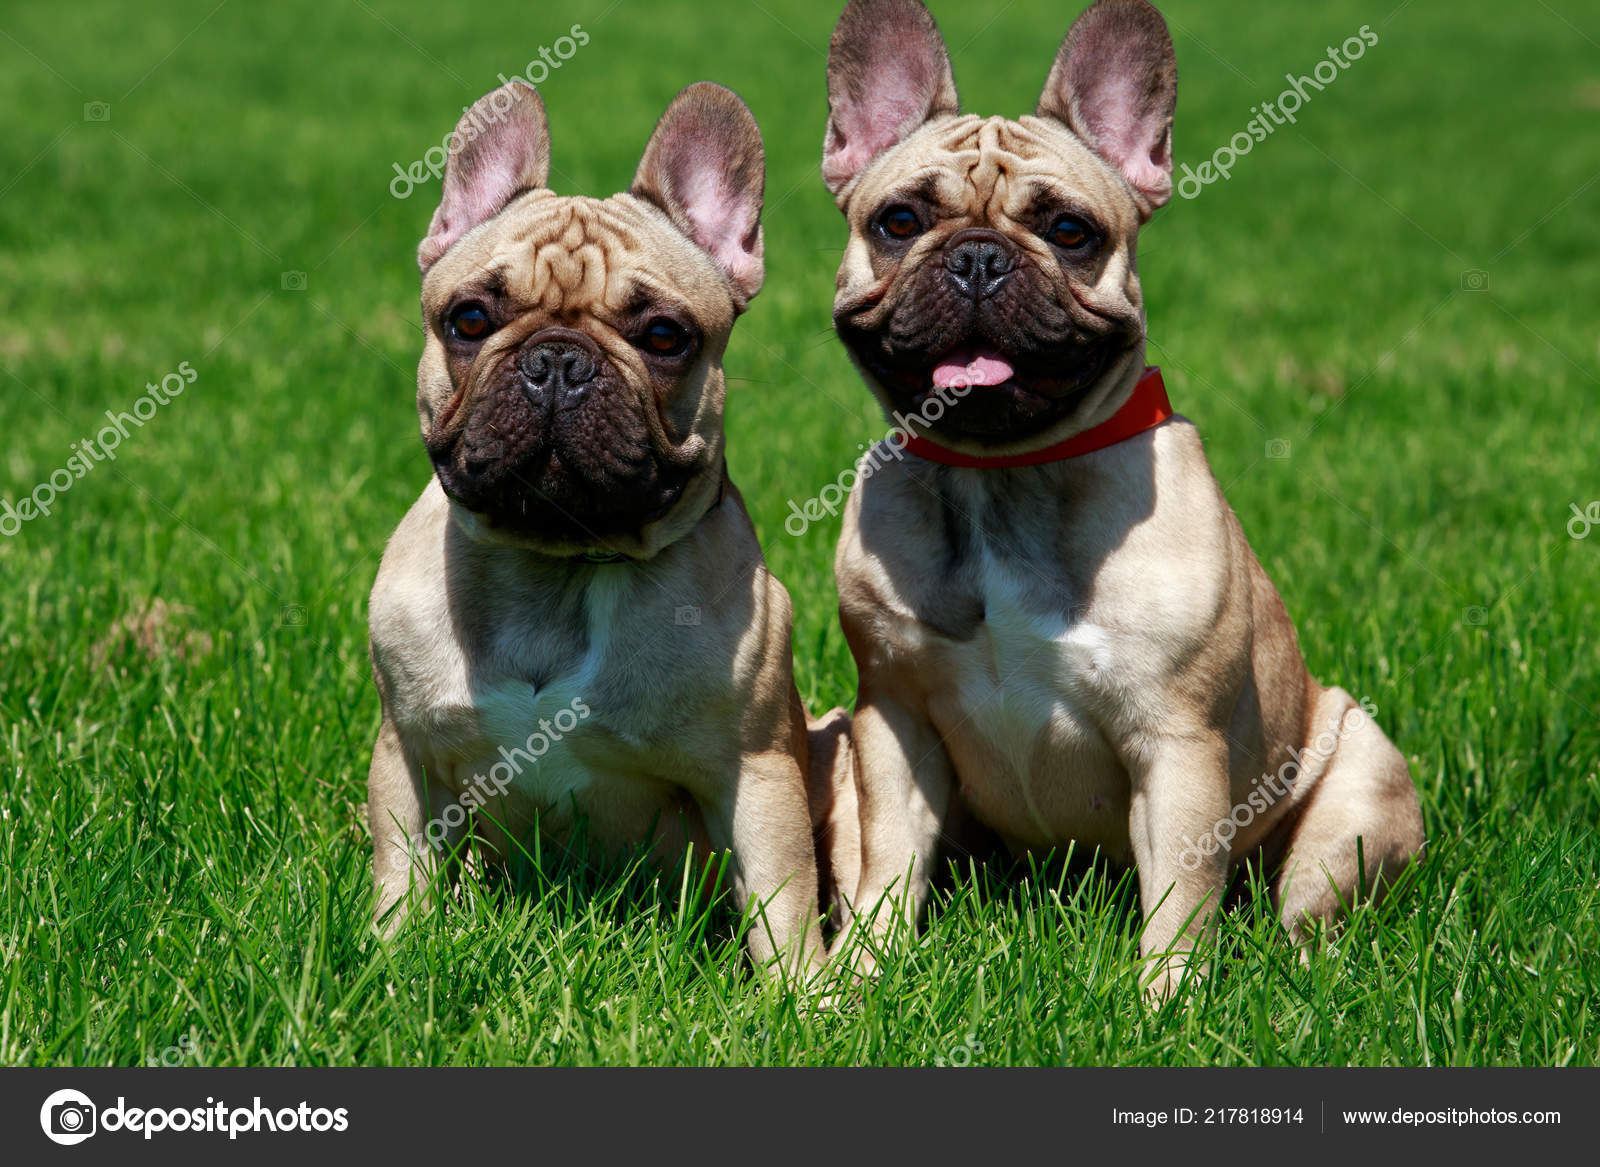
1475 280
1475 616
293 281
687 616
96 111
292 616
1278 448
68 1117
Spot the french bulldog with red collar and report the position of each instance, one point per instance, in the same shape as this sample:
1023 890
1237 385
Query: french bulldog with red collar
1060 628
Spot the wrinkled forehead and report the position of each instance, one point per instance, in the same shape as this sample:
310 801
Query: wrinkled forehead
989 168
548 252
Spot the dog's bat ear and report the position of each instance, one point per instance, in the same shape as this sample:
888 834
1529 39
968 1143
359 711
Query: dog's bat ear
888 73
1115 85
705 167
500 148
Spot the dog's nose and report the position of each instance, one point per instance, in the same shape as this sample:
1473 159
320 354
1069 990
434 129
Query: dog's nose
558 369
978 265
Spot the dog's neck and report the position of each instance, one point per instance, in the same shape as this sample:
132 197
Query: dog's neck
604 555
1146 407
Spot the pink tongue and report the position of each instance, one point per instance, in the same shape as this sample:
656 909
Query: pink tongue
968 366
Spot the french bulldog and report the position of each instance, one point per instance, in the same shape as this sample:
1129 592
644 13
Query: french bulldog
1060 628
573 631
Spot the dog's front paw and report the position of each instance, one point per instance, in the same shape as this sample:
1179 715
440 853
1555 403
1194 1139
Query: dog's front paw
853 958
1169 976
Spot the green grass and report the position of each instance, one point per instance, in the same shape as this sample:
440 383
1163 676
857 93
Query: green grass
183 856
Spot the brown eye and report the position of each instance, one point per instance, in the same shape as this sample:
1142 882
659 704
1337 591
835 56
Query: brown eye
665 338
1069 233
470 321
899 222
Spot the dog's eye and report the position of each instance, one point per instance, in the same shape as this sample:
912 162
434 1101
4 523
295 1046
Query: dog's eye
1070 233
664 338
470 321
899 222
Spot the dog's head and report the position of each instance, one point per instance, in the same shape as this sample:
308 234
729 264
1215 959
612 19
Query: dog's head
994 258
571 388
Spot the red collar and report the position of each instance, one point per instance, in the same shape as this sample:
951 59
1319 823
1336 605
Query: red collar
1147 407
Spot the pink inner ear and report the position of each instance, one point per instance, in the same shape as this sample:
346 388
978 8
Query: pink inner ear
1144 175
1114 83
497 172
901 93
1120 134
493 175
723 222
498 149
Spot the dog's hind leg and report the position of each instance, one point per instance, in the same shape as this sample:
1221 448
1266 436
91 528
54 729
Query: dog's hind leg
835 814
1358 828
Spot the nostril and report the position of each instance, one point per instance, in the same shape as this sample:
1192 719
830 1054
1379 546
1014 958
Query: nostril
997 260
537 366
578 368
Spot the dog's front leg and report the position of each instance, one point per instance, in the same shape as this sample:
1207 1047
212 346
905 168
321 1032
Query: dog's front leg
404 862
1180 796
763 818
906 781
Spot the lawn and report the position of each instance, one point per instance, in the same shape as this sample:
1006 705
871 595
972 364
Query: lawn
1384 324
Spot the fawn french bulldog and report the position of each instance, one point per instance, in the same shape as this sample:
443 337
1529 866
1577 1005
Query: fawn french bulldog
573 628
1060 628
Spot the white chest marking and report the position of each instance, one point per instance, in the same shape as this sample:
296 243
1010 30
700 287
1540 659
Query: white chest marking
1037 681
514 715
1066 659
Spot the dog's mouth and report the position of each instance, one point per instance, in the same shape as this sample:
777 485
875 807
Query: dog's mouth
577 466
977 391
549 498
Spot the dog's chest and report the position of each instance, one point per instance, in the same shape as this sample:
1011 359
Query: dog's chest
566 703
1028 708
